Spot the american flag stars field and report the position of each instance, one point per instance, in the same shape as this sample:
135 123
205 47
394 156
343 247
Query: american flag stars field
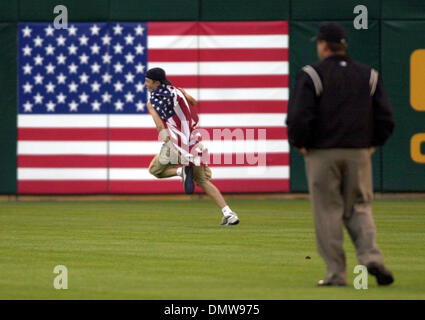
83 69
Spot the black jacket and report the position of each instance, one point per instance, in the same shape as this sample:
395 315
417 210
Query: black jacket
344 115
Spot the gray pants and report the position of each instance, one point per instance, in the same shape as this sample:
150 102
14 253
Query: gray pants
341 191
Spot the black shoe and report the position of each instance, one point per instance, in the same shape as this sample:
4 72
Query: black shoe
188 184
382 274
323 283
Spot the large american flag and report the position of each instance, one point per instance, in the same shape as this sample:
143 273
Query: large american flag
83 125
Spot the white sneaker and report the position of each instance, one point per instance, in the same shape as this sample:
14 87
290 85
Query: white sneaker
230 220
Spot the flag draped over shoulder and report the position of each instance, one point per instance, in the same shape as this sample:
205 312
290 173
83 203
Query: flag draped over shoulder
83 125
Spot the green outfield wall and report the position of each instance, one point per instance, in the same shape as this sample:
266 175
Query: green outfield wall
393 43
8 107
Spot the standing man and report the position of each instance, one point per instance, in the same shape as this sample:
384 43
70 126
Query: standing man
176 121
338 114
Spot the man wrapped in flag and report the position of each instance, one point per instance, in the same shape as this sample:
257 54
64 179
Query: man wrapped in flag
176 122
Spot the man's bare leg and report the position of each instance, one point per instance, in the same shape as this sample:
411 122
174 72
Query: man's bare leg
229 217
170 172
208 187
214 193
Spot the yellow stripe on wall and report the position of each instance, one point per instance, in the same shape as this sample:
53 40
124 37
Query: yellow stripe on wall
415 148
417 80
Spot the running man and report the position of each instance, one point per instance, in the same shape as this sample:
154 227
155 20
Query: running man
176 121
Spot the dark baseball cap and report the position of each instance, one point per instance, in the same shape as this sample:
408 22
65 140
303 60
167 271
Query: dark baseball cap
331 32
157 74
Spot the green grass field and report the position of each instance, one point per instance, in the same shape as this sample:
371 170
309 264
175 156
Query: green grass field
177 250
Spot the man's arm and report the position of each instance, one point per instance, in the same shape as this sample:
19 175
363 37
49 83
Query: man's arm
163 133
189 98
301 112
383 119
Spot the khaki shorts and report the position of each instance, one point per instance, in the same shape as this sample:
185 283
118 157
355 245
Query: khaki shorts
161 162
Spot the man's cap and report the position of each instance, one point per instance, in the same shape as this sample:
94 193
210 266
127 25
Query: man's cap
331 32
157 74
